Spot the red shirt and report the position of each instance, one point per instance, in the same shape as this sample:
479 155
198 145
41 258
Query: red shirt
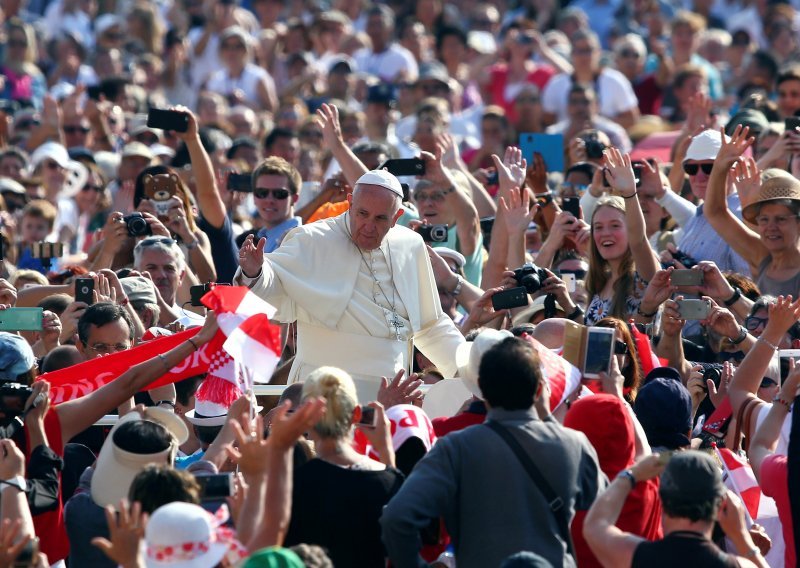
775 483
445 425
499 79
49 526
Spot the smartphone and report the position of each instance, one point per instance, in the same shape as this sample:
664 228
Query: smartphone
404 166
47 250
785 355
21 319
687 277
792 123
240 182
572 205
637 172
168 119
512 298
571 282
550 146
84 288
368 417
694 309
214 487
599 351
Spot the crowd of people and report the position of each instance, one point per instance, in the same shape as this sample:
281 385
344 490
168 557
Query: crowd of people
531 269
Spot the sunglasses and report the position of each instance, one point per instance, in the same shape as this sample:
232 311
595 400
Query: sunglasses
737 356
75 130
263 193
50 165
766 383
620 348
691 169
752 323
628 53
97 188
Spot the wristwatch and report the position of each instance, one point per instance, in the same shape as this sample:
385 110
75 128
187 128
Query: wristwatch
627 474
457 289
17 482
739 338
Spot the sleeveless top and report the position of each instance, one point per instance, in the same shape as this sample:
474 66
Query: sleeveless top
774 287
682 548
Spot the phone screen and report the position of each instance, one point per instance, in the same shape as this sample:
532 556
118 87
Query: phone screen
598 352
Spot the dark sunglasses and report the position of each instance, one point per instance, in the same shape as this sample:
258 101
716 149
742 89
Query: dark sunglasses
579 274
263 193
97 188
752 323
691 169
76 130
766 382
737 356
620 348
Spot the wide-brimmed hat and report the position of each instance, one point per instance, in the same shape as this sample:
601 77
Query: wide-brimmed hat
469 355
116 468
181 535
538 305
773 189
207 413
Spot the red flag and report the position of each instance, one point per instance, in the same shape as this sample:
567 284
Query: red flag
562 376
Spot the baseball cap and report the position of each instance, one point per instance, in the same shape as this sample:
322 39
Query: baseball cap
691 477
137 149
663 373
382 93
16 356
704 146
383 179
664 409
139 288
52 150
469 355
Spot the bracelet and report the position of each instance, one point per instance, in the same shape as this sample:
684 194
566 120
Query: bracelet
741 337
627 474
164 360
192 245
737 293
190 340
634 194
543 199
645 315
123 302
767 343
578 311
783 401
167 402
459 285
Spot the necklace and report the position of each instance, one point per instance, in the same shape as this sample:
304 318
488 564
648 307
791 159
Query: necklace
395 322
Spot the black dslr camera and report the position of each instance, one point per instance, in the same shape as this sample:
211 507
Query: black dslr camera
712 371
594 146
137 225
13 397
531 277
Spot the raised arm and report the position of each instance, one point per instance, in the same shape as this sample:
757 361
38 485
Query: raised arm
743 240
328 121
766 439
620 174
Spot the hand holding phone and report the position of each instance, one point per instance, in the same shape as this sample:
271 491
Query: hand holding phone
687 277
691 309
84 290
168 119
509 299
599 351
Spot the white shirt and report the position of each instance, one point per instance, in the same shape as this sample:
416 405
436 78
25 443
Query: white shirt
387 64
614 94
221 82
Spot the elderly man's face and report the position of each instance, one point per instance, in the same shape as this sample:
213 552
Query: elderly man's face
373 211
165 270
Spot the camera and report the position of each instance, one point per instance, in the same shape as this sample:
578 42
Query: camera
594 147
712 371
13 397
433 233
137 225
531 277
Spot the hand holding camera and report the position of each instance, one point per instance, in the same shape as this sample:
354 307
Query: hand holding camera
12 461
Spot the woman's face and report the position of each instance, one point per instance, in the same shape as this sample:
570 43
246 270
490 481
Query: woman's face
778 227
17 45
610 233
233 51
88 197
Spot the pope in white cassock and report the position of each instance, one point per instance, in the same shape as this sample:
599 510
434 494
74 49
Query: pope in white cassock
360 288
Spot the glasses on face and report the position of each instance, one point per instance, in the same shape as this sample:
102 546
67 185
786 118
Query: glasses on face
76 130
620 348
735 356
691 169
97 188
628 53
25 124
752 323
104 349
763 220
263 193
583 51
435 197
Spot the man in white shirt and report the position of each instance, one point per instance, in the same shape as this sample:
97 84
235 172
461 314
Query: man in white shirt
360 288
387 60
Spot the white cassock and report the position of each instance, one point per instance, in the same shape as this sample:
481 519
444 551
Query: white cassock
361 311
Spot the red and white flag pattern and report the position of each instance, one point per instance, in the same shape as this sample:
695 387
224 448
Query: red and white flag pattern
562 375
740 478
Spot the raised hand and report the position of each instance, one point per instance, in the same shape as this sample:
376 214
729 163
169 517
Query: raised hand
782 315
671 322
698 115
731 150
251 256
10 547
399 390
721 320
536 175
620 172
748 179
192 129
658 291
450 155
126 528
517 213
328 121
650 183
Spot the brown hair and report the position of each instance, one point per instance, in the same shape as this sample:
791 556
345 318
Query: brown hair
632 371
41 209
279 167
685 18
600 272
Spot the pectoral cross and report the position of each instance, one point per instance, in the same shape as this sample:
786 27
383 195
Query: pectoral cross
396 323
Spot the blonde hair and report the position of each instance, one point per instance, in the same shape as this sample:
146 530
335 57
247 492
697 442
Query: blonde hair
32 275
339 392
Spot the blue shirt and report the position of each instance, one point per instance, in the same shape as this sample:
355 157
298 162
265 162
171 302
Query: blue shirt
182 462
275 235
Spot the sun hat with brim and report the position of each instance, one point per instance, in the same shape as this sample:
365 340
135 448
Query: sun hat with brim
273 557
207 413
180 535
469 355
538 305
53 150
116 468
773 189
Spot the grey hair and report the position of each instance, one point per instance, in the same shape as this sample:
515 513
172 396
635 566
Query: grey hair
171 249
791 204
633 41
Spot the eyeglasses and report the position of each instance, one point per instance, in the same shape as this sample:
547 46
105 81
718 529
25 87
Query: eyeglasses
97 188
763 220
231 46
691 169
766 383
152 241
75 130
104 349
436 197
279 193
583 51
25 124
620 348
628 53
752 323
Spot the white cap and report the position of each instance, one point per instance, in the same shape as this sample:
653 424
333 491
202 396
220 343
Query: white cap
103 23
52 150
450 254
383 179
705 146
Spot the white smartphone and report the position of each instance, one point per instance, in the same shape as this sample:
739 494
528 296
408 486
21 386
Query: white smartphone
599 351
785 355
569 280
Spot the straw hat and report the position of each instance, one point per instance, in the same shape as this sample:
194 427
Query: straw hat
774 189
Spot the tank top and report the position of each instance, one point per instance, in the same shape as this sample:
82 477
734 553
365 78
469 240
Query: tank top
682 548
774 287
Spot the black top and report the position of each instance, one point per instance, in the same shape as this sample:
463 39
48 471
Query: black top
338 508
682 548
224 252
